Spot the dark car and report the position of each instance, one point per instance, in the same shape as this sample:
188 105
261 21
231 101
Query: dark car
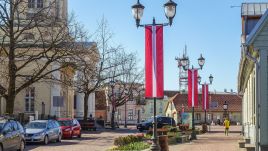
43 131
70 127
161 121
12 135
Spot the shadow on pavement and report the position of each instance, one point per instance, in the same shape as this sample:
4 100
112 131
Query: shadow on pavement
30 146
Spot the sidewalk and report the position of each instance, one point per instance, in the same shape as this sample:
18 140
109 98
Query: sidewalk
212 141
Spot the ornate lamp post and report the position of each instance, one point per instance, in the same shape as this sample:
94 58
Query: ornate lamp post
225 108
205 97
170 12
185 63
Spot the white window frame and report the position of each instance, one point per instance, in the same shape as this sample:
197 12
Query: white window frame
30 98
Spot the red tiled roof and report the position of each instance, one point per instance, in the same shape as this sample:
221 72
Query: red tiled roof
170 93
234 102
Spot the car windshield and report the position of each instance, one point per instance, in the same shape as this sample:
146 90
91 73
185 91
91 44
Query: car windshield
37 125
65 123
150 120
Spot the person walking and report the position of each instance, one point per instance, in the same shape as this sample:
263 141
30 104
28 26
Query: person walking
226 124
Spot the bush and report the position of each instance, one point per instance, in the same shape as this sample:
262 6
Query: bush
125 140
184 127
133 146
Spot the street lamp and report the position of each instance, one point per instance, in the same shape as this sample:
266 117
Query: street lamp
112 85
185 63
225 108
170 12
205 95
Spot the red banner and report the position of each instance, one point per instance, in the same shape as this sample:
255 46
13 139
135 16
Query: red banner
192 88
154 76
205 99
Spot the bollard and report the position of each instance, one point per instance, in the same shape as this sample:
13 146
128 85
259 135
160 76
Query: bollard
163 142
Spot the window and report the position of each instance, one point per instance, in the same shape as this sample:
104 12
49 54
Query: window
29 99
8 128
143 110
161 107
130 114
151 108
28 36
31 3
198 116
40 3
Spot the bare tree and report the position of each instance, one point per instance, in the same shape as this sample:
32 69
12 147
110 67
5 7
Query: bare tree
128 81
33 37
95 63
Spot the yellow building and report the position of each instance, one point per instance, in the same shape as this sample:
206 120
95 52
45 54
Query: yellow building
41 29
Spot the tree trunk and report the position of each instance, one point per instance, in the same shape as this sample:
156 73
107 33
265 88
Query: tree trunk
10 104
11 67
86 106
112 118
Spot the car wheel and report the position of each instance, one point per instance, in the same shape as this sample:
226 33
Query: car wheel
46 140
22 146
59 138
79 136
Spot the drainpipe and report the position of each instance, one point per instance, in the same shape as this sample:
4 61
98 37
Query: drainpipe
257 66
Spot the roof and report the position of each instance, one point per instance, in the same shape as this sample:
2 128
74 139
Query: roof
253 9
258 27
100 99
234 102
170 93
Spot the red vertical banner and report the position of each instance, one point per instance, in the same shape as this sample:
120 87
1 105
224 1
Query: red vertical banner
154 67
192 88
205 99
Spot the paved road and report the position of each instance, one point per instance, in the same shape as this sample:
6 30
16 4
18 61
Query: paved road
213 141
90 141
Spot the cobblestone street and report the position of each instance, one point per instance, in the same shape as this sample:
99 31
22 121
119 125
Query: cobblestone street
215 140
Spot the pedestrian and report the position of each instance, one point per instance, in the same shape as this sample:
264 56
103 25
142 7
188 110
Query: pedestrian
226 124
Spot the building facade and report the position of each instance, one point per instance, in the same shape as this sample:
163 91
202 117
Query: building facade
253 73
45 97
178 104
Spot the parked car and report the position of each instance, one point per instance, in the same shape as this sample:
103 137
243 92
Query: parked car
70 127
43 131
11 135
161 121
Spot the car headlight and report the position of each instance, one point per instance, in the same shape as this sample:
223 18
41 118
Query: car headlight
39 134
68 129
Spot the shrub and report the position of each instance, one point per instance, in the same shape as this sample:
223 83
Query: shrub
133 146
124 140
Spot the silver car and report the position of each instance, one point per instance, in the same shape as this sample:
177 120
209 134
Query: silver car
43 131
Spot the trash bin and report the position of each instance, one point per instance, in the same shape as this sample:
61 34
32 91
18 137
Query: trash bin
163 142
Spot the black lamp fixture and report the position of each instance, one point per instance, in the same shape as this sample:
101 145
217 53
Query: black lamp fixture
201 61
137 11
225 106
170 10
199 79
210 78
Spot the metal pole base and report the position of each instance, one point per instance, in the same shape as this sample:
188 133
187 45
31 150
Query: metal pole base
193 135
154 146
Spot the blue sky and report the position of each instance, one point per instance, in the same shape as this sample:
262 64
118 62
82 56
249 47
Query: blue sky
210 27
